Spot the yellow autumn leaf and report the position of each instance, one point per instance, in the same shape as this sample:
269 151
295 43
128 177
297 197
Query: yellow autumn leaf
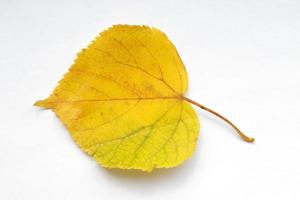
123 101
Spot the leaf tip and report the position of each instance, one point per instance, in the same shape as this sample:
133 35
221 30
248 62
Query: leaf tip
38 103
43 104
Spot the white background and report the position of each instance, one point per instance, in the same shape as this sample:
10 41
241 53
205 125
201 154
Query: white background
243 60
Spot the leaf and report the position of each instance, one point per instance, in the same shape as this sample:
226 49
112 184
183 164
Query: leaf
122 101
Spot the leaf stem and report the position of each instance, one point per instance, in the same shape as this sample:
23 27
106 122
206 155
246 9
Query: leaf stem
238 131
